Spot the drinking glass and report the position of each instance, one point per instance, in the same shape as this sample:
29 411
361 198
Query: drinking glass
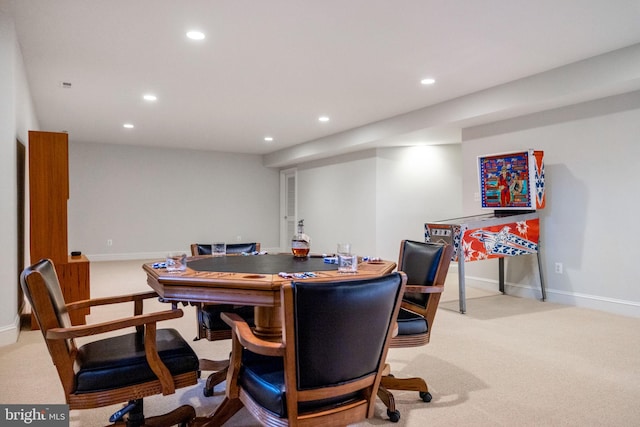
176 261
347 262
219 249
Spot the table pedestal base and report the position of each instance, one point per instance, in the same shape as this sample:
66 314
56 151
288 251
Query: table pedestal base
268 323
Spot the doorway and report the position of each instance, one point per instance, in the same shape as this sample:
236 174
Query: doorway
288 207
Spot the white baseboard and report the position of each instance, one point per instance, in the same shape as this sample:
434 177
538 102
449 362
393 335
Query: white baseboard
9 333
595 302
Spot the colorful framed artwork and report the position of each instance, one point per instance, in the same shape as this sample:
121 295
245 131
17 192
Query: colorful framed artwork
512 181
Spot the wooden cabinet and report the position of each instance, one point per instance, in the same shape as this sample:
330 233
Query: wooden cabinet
48 196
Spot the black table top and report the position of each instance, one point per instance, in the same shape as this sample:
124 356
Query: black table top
261 264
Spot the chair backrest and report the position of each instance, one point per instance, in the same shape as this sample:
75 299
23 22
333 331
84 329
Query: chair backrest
41 287
232 248
340 330
425 264
238 248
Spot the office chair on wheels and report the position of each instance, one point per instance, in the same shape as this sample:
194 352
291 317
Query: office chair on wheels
426 266
117 369
327 367
211 326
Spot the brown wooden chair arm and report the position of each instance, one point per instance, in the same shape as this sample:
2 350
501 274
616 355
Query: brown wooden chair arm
110 300
112 325
155 363
246 337
436 289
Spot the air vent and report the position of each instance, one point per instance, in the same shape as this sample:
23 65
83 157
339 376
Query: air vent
66 85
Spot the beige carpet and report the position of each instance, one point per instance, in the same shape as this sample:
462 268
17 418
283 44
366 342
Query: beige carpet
507 362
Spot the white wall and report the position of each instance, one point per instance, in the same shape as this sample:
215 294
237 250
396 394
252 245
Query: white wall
16 118
591 154
372 199
376 198
337 200
415 185
150 201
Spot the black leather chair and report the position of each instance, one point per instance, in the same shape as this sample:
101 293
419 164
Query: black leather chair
328 366
211 326
426 266
116 369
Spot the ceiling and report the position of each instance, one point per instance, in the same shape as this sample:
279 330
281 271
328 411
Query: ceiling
271 68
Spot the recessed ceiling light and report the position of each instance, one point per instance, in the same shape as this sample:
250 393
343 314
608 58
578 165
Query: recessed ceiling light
323 118
428 81
128 125
195 35
149 97
268 138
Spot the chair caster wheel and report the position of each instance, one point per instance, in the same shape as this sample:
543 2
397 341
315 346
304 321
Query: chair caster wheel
394 416
207 392
425 396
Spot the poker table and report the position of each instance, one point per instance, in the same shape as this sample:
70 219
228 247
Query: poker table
250 280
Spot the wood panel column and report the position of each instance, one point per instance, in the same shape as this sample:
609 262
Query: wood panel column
48 197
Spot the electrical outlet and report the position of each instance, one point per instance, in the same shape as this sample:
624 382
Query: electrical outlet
109 242
559 267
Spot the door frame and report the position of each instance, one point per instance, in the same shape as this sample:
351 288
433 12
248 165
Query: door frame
285 216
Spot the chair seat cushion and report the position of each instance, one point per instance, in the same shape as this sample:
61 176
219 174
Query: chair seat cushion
262 377
120 361
210 315
410 323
